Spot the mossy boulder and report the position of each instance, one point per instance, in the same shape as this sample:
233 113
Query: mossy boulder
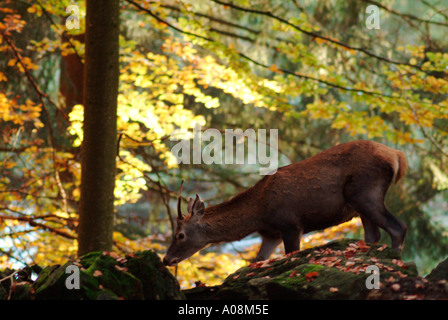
102 275
337 270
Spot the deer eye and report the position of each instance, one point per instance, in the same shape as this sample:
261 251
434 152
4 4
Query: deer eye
181 236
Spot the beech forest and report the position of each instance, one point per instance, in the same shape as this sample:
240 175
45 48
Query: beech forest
108 107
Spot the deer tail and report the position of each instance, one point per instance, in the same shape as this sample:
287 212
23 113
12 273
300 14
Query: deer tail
401 167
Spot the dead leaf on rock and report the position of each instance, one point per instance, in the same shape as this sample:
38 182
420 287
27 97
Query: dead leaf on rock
395 287
391 279
121 268
418 285
362 246
114 255
294 273
349 264
97 273
310 276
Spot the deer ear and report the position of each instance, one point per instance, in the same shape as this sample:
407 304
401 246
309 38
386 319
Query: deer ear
190 205
198 208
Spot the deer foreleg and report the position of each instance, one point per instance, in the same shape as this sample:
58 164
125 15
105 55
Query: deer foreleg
267 247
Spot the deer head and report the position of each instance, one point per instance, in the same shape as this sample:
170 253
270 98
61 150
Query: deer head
190 234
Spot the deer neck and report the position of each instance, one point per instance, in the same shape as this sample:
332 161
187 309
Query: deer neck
232 220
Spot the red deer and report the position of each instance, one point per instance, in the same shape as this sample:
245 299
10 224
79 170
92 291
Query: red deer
335 185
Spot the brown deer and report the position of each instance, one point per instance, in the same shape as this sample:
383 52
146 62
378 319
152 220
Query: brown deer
335 185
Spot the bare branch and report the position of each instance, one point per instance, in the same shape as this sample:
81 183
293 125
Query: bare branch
314 34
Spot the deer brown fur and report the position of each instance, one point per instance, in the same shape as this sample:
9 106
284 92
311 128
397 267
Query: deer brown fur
335 185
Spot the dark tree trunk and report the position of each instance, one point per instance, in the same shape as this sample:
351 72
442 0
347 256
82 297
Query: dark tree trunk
100 127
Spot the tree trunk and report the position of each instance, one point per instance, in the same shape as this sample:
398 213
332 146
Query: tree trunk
100 127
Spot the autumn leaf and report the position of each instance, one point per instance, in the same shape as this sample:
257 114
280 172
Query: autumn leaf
399 263
114 255
294 273
310 276
97 273
275 69
362 246
124 269
395 287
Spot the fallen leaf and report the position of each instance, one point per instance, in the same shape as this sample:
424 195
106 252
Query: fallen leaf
363 247
395 287
418 285
121 268
399 263
401 274
114 255
122 260
97 273
349 263
293 273
310 276
390 279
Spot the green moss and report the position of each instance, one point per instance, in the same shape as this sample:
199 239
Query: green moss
105 276
157 281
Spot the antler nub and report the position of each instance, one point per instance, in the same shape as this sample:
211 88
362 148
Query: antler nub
179 210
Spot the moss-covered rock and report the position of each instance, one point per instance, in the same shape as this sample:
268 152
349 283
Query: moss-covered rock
440 272
336 270
102 275
157 282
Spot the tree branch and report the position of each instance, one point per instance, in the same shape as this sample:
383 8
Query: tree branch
405 16
214 19
314 34
31 221
245 57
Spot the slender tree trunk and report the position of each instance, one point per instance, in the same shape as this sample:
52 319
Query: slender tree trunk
100 127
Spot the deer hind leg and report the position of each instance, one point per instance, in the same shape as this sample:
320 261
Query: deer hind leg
370 204
268 245
291 239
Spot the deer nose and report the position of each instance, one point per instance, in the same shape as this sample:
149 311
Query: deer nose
171 262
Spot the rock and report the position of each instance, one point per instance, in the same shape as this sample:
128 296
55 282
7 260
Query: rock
336 270
440 272
158 283
102 276
411 288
